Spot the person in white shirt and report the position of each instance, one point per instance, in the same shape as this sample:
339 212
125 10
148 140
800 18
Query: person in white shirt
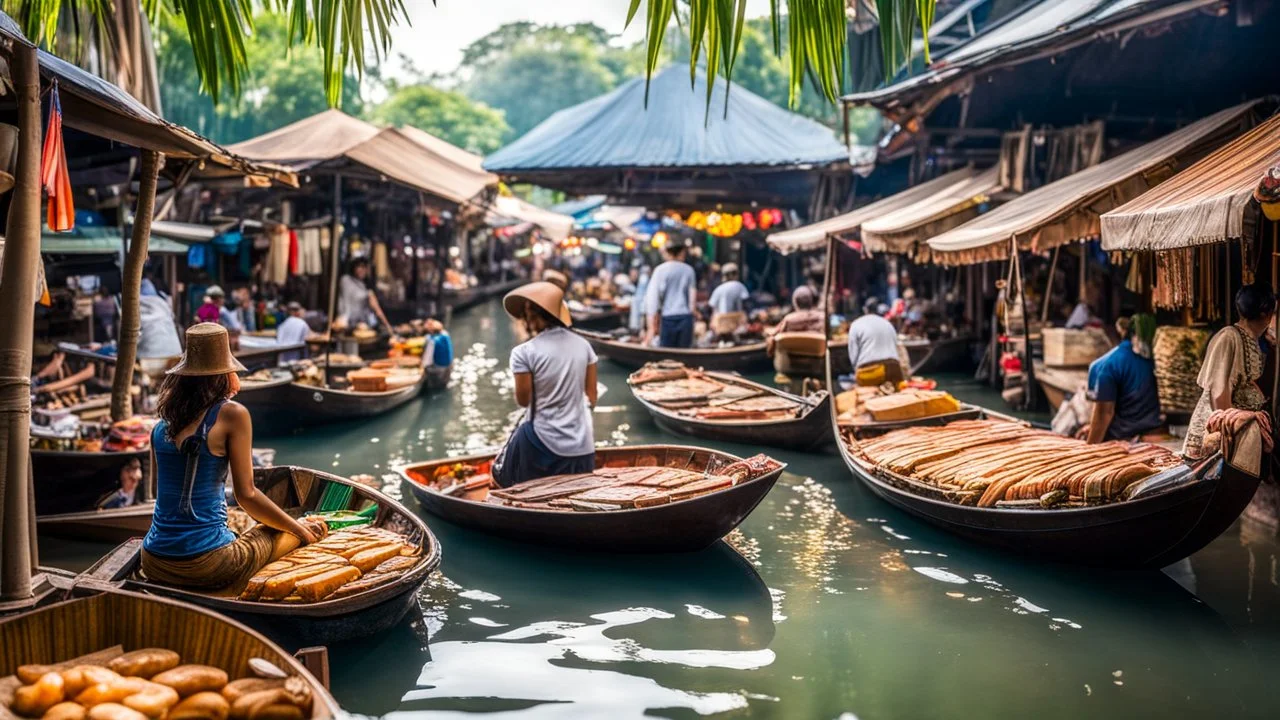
555 379
669 300
873 348
292 331
729 303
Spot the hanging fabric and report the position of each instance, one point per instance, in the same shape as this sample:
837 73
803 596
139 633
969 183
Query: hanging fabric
61 214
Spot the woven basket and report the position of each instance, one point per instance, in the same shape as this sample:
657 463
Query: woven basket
1178 353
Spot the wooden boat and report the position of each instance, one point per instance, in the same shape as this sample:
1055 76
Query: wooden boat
926 356
742 358
678 526
69 484
299 490
809 430
104 624
1160 524
598 319
283 406
458 300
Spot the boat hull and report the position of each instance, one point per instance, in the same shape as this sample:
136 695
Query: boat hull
68 486
321 622
283 407
599 320
744 358
809 432
684 526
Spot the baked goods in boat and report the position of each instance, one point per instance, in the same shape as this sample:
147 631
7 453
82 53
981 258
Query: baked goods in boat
917 399
87 688
992 463
702 396
344 563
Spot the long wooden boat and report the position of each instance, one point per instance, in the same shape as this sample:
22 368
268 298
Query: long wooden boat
742 358
1163 521
925 356
458 300
69 484
297 491
602 320
283 406
679 526
809 430
105 624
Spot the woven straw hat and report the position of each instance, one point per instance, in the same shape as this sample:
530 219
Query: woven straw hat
208 352
544 295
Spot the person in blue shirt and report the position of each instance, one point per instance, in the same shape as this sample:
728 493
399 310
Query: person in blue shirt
669 300
1122 385
441 350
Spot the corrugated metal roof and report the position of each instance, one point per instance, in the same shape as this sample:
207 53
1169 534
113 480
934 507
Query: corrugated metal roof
1037 28
1203 204
1067 210
677 130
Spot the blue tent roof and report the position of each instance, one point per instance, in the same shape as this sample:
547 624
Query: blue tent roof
615 130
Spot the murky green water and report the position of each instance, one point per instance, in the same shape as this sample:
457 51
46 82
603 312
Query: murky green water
828 604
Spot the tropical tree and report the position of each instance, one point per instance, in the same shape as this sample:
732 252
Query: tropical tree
447 114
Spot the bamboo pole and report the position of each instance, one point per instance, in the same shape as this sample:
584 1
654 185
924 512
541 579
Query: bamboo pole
335 246
131 286
18 296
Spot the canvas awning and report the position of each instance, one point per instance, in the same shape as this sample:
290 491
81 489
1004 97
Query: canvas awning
814 236
99 240
1203 204
901 230
1068 210
409 157
555 225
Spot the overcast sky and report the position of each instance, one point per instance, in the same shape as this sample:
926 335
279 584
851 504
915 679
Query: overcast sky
438 34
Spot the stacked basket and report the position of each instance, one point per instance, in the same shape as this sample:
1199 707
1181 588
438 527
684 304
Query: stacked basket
1178 353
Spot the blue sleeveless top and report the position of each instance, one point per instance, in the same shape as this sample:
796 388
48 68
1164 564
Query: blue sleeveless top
190 518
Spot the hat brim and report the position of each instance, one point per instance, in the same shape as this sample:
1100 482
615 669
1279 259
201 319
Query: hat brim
514 305
181 369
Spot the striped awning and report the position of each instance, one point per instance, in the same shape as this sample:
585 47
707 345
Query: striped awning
902 230
1068 210
814 236
1203 204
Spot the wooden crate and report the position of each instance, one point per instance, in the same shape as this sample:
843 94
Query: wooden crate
1073 348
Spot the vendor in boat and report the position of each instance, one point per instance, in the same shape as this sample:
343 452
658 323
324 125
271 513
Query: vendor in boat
293 331
1229 375
805 318
873 347
126 495
202 436
357 303
555 379
1122 385
670 300
438 353
729 303
211 310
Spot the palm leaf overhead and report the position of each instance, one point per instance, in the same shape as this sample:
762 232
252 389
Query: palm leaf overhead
816 36
217 29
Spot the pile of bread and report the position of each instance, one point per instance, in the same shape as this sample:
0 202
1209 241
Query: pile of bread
344 563
863 405
152 684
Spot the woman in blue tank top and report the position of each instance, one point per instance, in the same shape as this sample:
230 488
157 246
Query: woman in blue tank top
201 437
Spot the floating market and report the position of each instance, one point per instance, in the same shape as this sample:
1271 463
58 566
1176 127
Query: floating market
842 359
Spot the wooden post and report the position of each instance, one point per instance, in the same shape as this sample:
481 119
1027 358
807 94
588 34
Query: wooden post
335 246
18 297
131 287
1048 291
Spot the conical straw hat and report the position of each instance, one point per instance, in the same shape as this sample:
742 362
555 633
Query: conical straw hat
208 352
543 294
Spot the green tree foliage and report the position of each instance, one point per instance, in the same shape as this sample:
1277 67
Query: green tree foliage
280 86
530 71
447 114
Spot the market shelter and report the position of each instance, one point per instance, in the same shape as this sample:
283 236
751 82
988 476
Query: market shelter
900 220
1068 210
1207 203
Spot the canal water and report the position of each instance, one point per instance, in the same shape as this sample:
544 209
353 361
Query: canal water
826 603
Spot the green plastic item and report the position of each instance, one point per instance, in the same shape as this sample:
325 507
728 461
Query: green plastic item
339 519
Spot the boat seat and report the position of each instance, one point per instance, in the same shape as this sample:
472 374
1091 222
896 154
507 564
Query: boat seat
802 344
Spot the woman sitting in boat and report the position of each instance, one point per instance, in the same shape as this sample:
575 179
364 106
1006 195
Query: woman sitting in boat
805 318
438 353
356 302
201 436
1229 376
555 374
126 494
1122 386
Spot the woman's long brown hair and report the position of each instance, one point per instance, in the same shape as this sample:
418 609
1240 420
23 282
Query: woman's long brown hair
183 399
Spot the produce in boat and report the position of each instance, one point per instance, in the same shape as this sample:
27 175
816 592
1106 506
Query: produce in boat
344 563
149 684
992 463
695 394
629 485
915 400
